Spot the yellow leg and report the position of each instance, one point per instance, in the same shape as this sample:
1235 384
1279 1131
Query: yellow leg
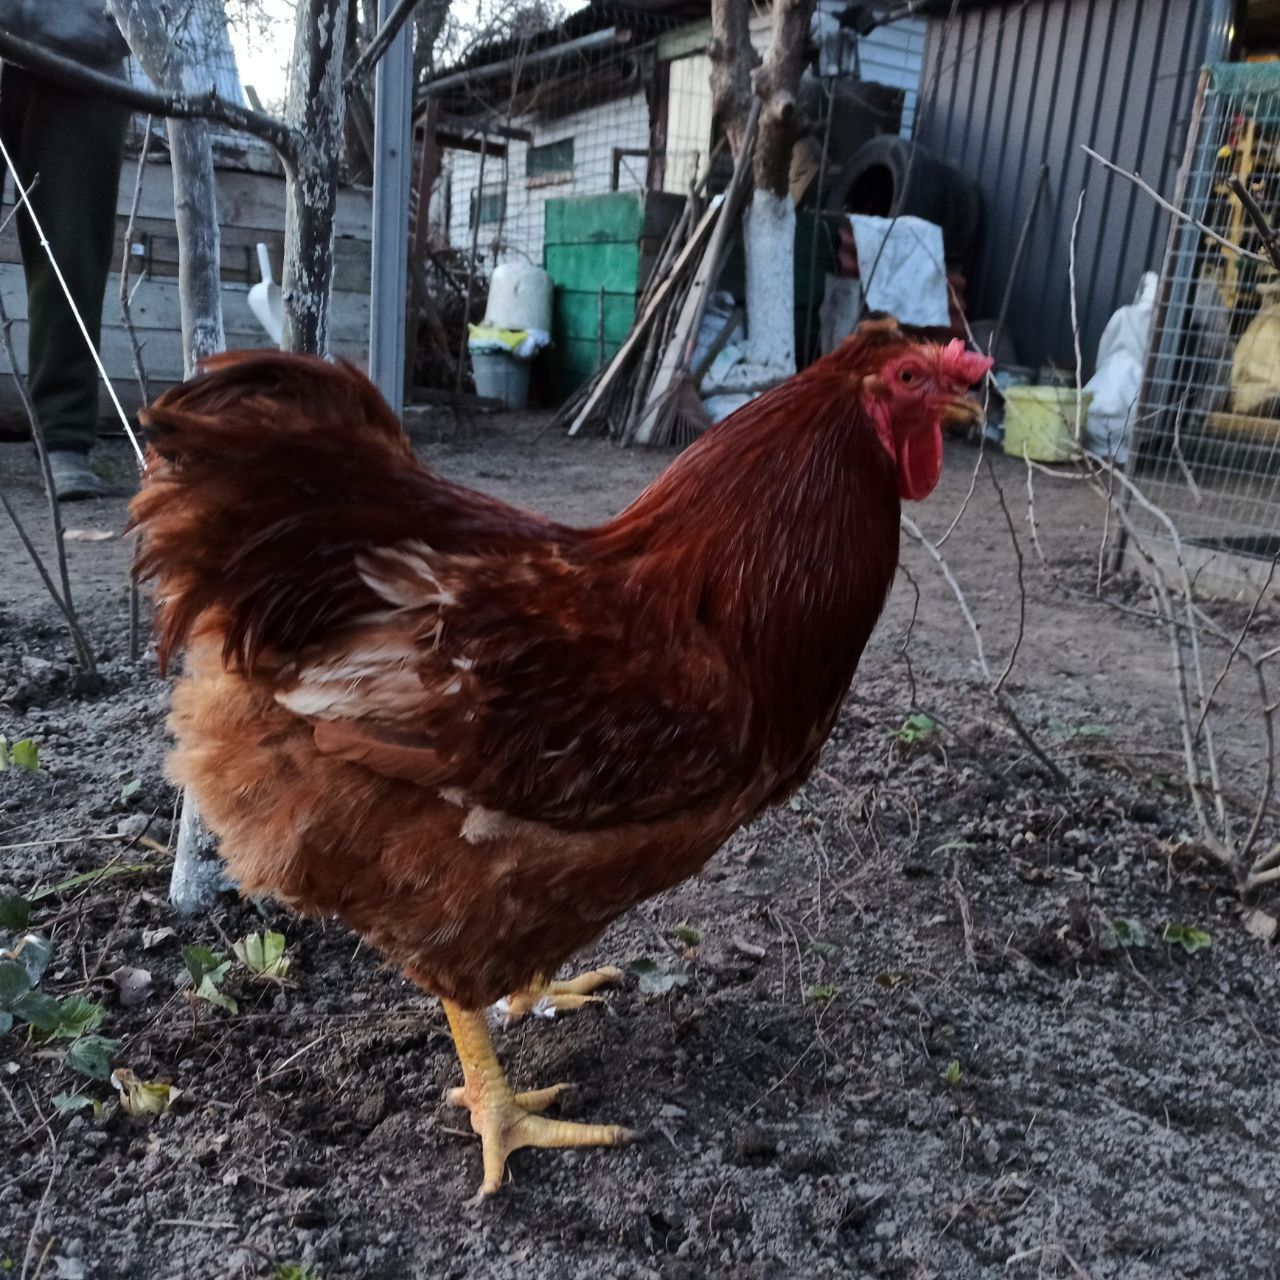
505 1120
562 997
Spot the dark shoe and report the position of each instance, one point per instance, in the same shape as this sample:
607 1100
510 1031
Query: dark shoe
72 477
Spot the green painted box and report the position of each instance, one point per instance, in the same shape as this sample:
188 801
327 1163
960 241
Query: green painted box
598 251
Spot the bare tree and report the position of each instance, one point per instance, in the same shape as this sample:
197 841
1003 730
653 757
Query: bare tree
770 230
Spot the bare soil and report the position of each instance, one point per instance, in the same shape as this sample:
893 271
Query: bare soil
906 1044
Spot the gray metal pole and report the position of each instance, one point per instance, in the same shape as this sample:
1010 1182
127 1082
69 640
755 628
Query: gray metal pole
392 171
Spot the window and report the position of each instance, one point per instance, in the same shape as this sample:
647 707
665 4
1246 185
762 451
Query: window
492 205
551 162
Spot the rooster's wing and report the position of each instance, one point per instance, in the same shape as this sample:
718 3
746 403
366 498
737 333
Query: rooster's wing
528 684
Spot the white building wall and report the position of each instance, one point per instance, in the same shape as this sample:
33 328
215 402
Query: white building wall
688 121
518 233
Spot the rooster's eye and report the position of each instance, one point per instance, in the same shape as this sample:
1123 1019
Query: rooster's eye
906 377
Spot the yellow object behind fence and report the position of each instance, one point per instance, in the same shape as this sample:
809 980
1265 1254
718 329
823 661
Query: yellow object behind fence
1040 422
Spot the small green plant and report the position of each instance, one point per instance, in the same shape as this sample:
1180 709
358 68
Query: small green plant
824 991
823 949
916 728
952 1074
1124 933
263 954
295 1271
23 754
143 1097
1188 937
73 1018
208 969
656 979
686 934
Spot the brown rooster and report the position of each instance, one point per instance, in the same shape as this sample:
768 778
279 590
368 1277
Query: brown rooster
478 736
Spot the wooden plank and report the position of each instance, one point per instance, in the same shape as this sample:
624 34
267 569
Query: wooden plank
685 41
254 200
162 350
584 268
577 315
156 305
695 244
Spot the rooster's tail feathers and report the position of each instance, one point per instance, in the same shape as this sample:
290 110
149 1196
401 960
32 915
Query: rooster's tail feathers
265 474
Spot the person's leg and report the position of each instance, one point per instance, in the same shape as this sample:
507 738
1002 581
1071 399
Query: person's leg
71 147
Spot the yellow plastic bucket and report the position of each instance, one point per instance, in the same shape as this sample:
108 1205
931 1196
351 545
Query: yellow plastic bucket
1040 422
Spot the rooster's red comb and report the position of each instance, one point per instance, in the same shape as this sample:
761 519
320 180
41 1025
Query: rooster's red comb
965 366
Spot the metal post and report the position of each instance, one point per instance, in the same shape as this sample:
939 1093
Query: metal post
392 166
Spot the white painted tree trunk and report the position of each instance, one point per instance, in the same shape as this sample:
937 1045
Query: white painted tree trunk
173 64
770 241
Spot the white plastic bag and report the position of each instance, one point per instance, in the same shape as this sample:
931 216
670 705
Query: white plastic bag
1122 355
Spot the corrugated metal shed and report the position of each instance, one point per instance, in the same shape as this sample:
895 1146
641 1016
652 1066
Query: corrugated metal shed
1007 88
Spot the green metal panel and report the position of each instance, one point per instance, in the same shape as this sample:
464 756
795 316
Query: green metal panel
616 217
584 268
577 315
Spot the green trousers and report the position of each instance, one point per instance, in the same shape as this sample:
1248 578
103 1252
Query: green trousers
71 146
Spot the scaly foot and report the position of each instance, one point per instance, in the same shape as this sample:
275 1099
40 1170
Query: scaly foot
549 998
505 1120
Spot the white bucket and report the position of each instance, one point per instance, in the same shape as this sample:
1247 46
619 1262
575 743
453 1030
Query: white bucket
501 376
519 297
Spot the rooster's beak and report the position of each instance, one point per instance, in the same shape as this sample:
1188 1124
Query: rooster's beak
965 411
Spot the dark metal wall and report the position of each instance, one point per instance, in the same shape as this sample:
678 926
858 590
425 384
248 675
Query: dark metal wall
1007 88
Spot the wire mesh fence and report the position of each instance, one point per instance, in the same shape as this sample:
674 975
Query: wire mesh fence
607 101
1207 434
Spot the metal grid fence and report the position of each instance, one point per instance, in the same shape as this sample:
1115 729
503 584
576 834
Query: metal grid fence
1207 432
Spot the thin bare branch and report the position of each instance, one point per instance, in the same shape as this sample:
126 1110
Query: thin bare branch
172 106
1172 208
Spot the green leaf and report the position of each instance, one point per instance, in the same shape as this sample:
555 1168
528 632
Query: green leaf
823 991
952 1074
916 728
40 1010
656 980
208 991
92 877
24 754
202 963
143 1097
15 911
1125 933
263 954
4 753
32 953
15 982
687 934
1093 731
64 1102
91 1056
130 789
1188 937
78 1016
824 949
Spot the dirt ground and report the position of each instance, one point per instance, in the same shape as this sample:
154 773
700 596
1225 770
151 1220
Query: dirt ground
902 1040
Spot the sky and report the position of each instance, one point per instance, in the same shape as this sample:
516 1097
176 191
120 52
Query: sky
263 46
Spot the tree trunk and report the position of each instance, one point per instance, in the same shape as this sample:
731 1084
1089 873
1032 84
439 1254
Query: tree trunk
770 230
174 64
316 108
732 61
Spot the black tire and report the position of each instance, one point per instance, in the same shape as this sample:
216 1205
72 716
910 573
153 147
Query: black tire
894 177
